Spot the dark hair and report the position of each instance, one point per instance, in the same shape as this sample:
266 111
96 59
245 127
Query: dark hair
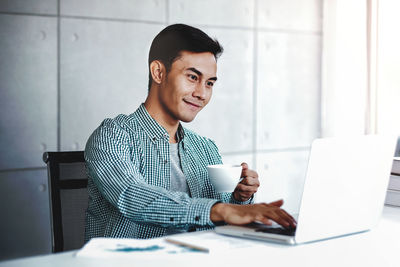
174 39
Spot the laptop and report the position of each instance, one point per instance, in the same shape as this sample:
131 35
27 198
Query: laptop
344 191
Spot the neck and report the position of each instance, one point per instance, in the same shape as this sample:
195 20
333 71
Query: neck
167 122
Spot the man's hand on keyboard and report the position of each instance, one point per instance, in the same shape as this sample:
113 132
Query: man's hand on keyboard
244 214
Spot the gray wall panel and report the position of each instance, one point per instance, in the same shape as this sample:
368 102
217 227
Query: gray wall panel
150 10
303 15
209 12
24 208
28 95
282 176
228 117
48 7
103 73
288 90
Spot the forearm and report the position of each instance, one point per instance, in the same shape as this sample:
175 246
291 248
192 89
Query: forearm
164 208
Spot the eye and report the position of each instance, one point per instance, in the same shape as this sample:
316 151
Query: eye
210 84
192 77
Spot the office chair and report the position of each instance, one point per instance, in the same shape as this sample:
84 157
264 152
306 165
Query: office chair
68 198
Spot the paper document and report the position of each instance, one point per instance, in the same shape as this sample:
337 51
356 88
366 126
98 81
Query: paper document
125 247
214 243
199 243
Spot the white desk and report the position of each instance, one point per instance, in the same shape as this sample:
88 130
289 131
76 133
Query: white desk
379 247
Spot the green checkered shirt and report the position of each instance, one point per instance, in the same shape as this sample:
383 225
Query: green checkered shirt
128 163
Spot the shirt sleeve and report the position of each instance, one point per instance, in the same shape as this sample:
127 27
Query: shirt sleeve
117 177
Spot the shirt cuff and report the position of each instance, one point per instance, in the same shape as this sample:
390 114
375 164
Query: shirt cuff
228 198
234 201
199 211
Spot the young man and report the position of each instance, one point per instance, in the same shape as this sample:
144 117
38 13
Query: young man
147 174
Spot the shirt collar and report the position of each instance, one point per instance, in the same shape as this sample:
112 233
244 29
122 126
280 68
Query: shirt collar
152 128
180 134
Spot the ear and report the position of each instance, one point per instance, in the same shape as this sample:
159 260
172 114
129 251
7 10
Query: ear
157 70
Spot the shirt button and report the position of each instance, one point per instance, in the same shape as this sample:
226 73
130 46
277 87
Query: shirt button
154 139
171 219
197 218
165 161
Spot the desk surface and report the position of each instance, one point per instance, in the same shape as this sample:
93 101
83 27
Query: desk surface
378 247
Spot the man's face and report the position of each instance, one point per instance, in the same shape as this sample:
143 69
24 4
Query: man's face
188 86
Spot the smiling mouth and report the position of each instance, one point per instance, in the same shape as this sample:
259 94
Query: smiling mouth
192 104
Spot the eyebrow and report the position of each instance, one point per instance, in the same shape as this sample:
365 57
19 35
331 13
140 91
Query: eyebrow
200 74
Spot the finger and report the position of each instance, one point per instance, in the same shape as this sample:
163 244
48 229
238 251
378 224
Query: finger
241 188
244 169
243 196
289 215
249 173
287 218
266 221
250 181
280 218
293 222
279 215
244 166
277 203
276 218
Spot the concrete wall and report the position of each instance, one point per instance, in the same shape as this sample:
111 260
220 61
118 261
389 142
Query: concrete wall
67 64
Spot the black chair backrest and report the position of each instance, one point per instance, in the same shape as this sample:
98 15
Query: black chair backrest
68 198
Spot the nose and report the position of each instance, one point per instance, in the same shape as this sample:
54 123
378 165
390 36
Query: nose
200 91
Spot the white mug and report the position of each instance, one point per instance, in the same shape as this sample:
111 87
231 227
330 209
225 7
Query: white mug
224 177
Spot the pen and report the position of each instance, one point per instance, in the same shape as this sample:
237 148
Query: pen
186 245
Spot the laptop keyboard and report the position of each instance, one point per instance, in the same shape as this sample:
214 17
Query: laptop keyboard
277 230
